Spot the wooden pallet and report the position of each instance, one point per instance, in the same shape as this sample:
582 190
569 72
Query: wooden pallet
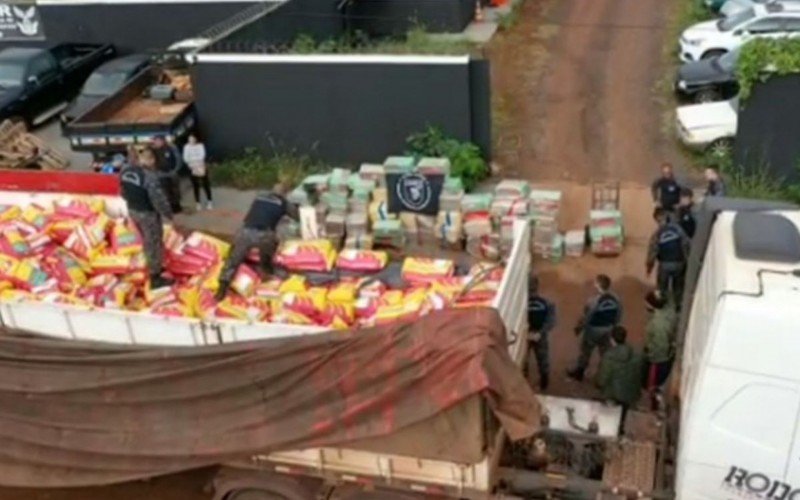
20 149
630 467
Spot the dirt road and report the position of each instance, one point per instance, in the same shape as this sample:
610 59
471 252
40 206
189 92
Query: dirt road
574 83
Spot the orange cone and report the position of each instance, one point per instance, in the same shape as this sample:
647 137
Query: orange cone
478 12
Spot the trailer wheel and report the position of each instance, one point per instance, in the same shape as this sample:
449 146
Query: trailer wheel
245 485
277 491
254 495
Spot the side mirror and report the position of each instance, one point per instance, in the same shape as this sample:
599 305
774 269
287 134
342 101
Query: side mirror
738 33
33 81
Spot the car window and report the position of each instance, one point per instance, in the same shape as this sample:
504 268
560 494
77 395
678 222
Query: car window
42 67
792 24
735 20
766 25
103 84
727 61
11 74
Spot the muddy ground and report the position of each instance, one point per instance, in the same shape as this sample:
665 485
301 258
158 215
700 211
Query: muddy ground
574 89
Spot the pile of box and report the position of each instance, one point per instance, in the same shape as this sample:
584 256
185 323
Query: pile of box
545 206
605 232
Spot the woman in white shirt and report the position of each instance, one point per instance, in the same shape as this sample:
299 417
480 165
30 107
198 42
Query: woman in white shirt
194 155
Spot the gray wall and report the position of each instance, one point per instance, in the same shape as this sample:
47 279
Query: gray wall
340 112
392 17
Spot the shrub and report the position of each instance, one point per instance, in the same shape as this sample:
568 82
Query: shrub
253 170
465 158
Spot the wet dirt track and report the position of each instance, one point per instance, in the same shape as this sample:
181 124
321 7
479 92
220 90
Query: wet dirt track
573 81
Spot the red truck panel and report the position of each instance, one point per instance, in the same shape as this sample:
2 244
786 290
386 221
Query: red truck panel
62 182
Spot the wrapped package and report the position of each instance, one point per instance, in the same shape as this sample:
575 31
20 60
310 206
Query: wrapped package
544 204
449 227
317 183
399 164
344 292
362 260
205 247
245 281
109 262
389 233
511 188
337 180
124 238
311 255
173 240
36 215
9 212
453 185
481 203
335 201
81 243
380 194
606 232
509 206
484 247
477 224
451 202
373 172
433 166
79 207
335 224
425 271
12 242
292 318
379 210
574 242
309 303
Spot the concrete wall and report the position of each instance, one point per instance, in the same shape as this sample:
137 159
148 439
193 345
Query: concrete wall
392 17
343 109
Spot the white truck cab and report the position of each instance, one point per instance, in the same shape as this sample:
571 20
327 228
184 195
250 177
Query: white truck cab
740 370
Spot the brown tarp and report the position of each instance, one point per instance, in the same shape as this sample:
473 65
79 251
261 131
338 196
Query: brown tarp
77 413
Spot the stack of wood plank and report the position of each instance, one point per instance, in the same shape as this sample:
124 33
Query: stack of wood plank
20 149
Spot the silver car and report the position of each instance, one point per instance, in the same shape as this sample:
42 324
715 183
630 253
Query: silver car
733 6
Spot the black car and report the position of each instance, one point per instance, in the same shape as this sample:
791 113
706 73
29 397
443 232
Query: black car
708 80
105 81
37 83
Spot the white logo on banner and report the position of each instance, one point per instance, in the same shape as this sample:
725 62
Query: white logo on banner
414 191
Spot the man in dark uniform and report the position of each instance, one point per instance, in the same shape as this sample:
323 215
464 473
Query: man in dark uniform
168 164
148 208
258 231
666 190
541 319
600 315
685 213
669 245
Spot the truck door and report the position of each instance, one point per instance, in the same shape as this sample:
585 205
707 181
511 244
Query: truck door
43 89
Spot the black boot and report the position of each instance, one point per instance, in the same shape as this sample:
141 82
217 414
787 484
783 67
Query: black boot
544 381
157 281
575 374
221 291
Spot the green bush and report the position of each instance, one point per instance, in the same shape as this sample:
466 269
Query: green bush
763 58
465 158
416 41
253 170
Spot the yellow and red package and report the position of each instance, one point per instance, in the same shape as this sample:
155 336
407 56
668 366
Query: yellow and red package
448 286
362 260
205 304
80 243
337 316
294 284
487 271
236 307
245 281
311 255
27 275
81 207
9 212
13 243
61 229
396 312
370 287
97 226
365 308
118 296
422 270
96 288
160 296
111 263
269 290
292 318
39 241
7 265
479 294
6 285
61 298
26 229
184 264
210 279
309 303
124 238
35 215
391 297
173 240
65 269
173 309
14 294
343 292
205 247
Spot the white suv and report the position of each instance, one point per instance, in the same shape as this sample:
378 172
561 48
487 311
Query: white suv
713 38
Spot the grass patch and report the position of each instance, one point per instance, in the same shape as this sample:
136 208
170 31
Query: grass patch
416 41
253 170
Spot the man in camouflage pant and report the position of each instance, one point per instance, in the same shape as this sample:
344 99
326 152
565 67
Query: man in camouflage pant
258 231
148 208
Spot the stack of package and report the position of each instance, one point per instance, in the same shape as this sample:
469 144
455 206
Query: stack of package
606 232
574 243
544 206
482 241
449 222
510 203
336 202
427 226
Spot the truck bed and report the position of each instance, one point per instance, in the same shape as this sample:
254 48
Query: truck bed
145 110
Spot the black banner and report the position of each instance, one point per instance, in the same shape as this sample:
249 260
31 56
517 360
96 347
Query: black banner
20 21
414 192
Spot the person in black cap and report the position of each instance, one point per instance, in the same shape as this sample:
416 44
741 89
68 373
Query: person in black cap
258 231
685 213
666 190
669 246
168 164
541 319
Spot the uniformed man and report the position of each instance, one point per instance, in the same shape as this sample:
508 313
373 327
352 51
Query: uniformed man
715 186
685 213
666 190
148 208
541 319
258 231
600 315
669 246
168 165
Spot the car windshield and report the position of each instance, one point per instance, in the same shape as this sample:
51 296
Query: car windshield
735 20
11 74
103 84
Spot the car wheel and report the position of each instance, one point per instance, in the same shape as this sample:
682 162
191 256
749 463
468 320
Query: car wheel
712 53
721 148
707 95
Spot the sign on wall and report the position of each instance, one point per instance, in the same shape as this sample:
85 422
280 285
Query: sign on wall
20 22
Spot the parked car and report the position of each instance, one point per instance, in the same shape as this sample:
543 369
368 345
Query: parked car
713 38
731 7
37 84
714 5
708 80
709 126
105 81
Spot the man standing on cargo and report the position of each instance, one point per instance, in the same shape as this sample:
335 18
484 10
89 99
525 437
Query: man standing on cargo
620 374
600 315
168 164
541 319
666 190
148 208
669 245
258 231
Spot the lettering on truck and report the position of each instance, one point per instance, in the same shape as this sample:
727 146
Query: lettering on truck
750 484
